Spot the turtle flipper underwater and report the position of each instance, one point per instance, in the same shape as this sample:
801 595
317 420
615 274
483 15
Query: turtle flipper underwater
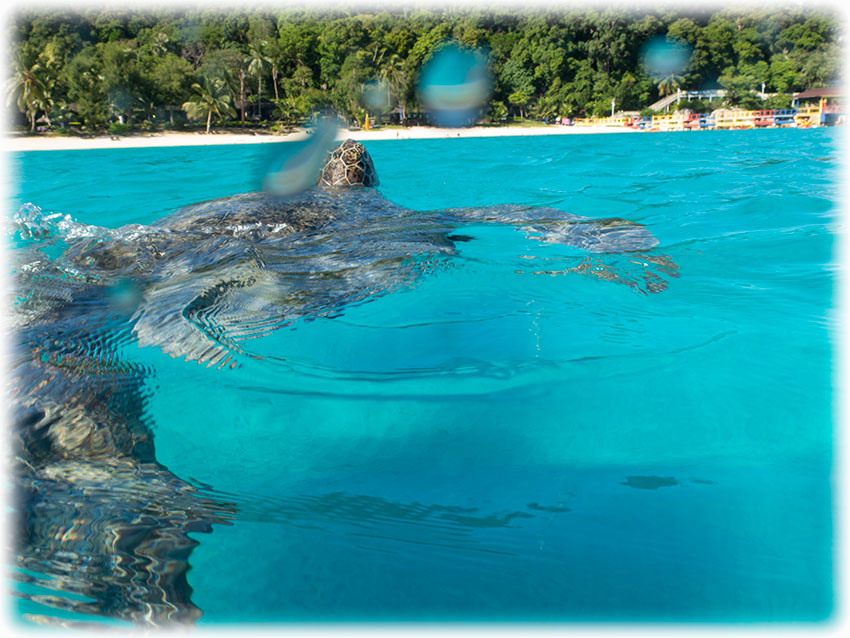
102 528
617 249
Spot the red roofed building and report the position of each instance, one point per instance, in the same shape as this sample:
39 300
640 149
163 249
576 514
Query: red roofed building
829 100
829 93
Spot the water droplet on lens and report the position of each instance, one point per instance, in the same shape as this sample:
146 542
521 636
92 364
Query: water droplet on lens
296 165
454 85
375 97
662 57
125 295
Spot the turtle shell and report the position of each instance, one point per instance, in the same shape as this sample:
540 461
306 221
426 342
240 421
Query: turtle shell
348 164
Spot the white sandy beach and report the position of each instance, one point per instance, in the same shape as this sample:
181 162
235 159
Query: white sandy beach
19 142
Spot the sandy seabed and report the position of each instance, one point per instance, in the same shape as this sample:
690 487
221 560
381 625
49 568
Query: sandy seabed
18 142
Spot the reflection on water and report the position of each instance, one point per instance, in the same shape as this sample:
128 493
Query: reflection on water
114 532
101 523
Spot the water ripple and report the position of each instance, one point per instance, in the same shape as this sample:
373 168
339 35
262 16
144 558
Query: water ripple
354 353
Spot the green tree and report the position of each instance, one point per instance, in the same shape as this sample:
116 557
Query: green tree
809 35
821 67
743 81
83 78
230 66
579 91
517 83
171 78
669 83
784 73
123 78
211 97
394 75
134 65
632 90
274 55
258 64
719 41
356 70
297 46
30 89
519 100
498 111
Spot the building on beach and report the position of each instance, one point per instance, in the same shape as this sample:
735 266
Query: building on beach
823 104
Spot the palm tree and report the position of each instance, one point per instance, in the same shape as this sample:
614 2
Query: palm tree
242 95
289 108
394 76
145 107
669 82
259 64
211 96
274 54
30 89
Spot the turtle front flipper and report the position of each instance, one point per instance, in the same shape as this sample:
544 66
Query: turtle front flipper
619 248
607 235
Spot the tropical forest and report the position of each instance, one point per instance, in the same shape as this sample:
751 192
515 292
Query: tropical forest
92 70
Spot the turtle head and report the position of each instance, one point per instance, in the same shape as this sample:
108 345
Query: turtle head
348 164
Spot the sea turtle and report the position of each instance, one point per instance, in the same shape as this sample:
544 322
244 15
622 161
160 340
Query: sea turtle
198 284
259 259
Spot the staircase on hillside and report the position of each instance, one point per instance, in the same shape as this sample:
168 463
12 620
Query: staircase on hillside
685 95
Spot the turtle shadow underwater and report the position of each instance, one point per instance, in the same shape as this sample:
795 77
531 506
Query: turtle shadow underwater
98 517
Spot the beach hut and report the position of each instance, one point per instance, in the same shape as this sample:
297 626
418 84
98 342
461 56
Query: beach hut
818 107
661 122
826 95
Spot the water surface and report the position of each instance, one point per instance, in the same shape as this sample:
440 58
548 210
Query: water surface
501 437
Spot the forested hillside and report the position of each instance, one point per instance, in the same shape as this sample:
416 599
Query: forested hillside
153 69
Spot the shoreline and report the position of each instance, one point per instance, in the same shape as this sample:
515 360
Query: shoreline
23 143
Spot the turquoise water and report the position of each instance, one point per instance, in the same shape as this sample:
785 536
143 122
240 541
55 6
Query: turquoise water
506 439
